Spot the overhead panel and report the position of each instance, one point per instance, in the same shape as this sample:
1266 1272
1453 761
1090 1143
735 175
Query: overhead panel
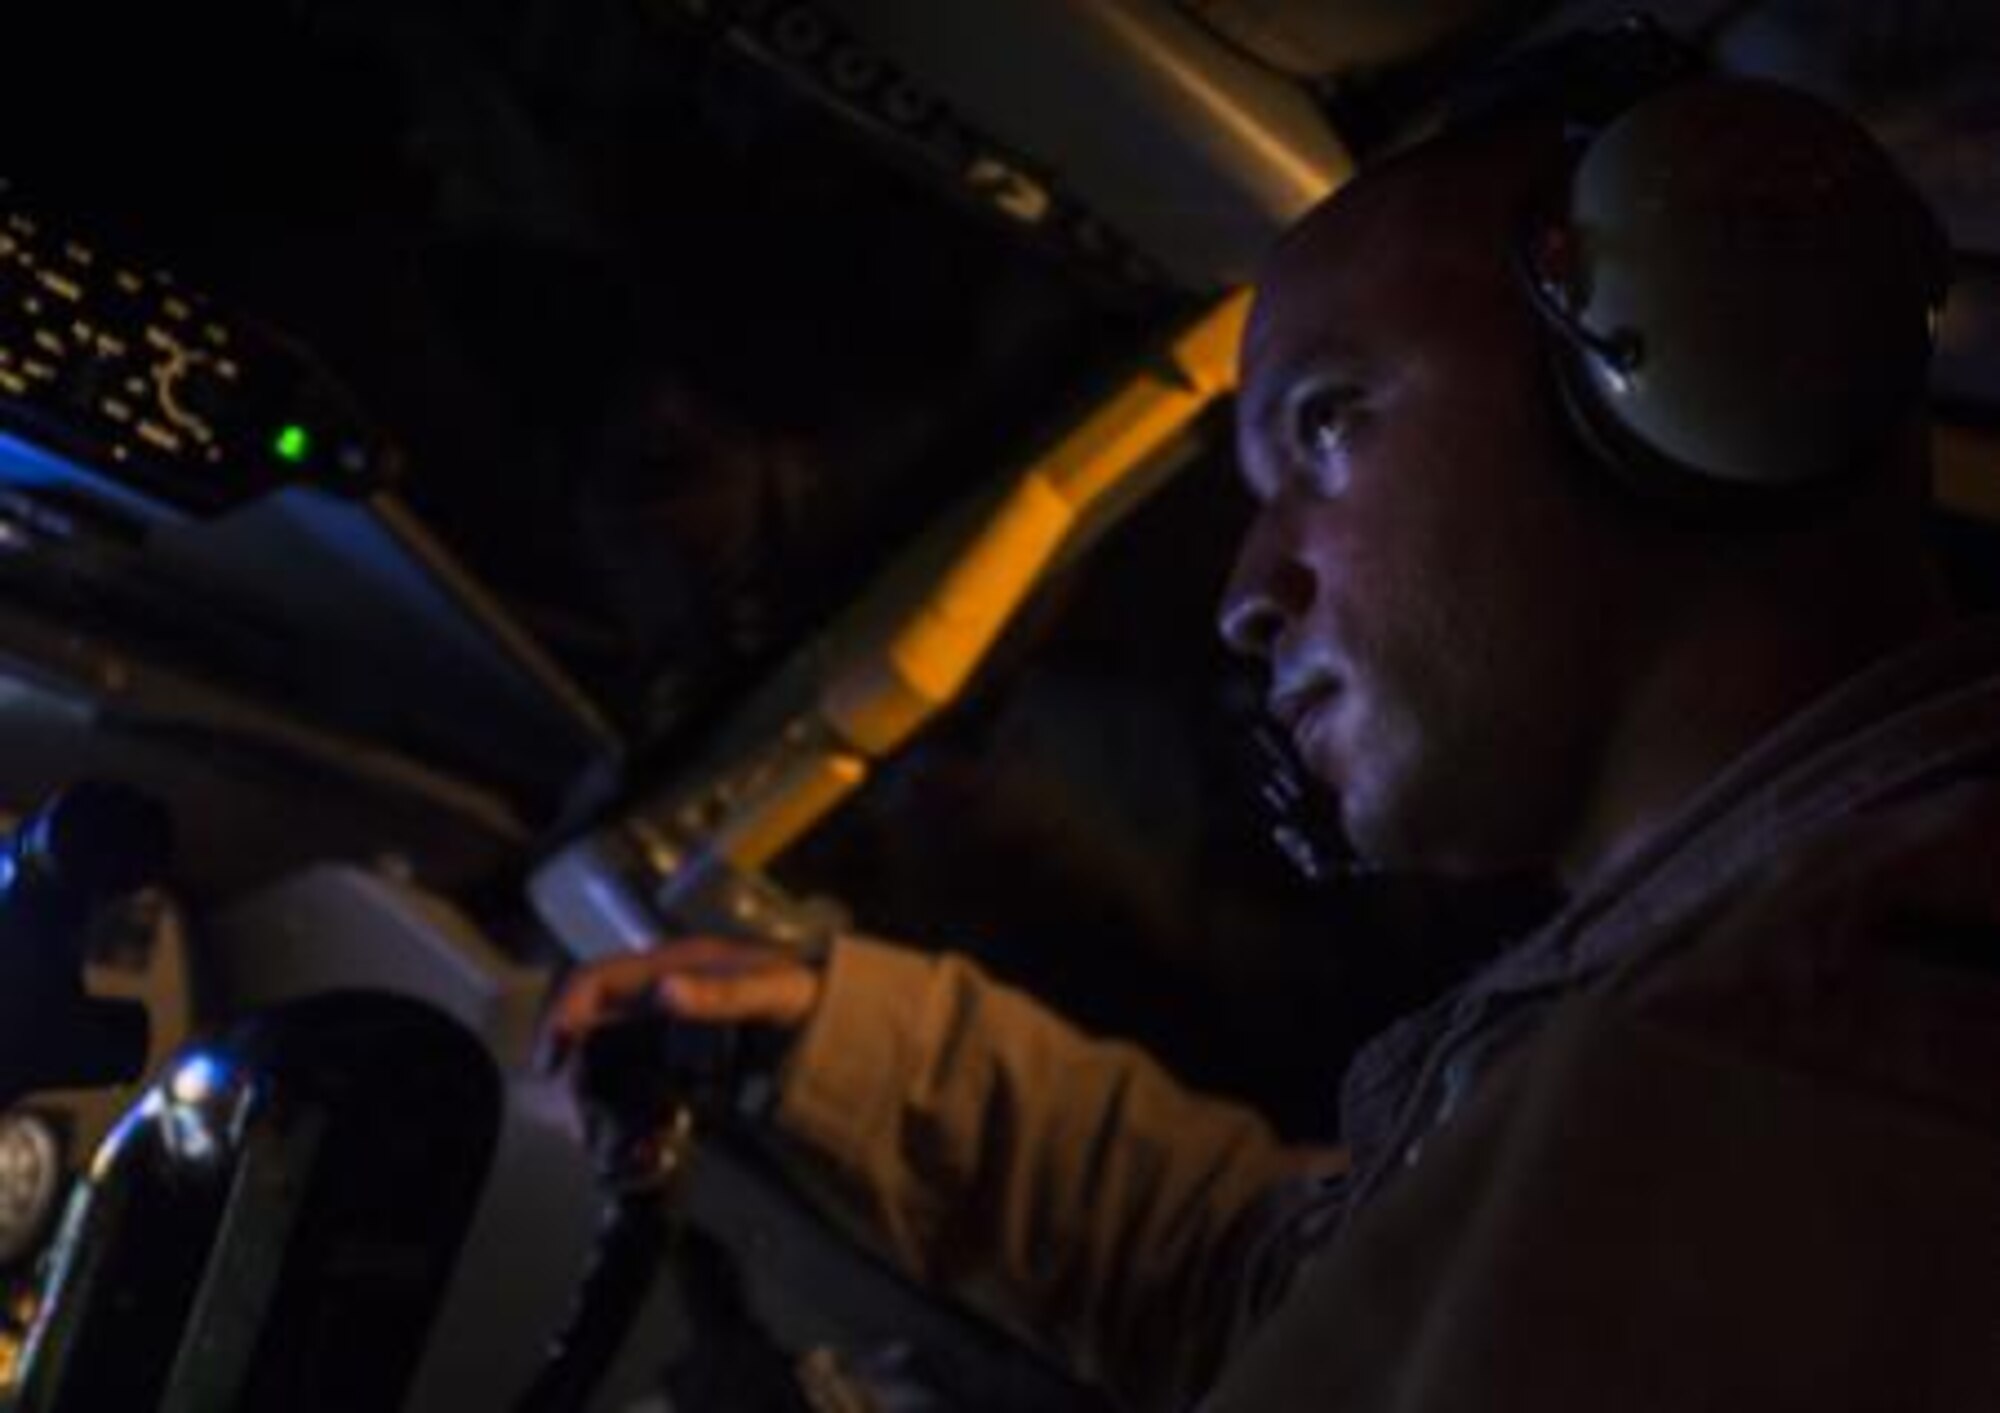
1336 36
1192 151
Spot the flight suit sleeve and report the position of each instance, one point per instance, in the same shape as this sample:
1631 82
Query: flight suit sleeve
1064 1184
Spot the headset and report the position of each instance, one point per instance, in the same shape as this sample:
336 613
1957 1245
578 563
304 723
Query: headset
1740 290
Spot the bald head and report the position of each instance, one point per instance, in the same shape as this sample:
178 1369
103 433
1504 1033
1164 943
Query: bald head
1458 198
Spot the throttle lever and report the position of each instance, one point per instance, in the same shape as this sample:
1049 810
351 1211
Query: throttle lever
645 1085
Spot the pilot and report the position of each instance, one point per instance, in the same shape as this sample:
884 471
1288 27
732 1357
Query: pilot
1589 463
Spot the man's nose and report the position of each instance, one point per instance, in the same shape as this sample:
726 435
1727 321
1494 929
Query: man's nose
1268 591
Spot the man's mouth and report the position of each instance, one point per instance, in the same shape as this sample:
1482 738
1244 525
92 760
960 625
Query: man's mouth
1296 707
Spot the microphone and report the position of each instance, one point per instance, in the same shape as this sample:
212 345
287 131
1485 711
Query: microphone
1304 822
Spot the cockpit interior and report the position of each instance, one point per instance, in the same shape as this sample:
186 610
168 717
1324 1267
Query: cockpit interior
485 486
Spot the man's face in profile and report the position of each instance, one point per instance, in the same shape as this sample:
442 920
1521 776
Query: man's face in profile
1422 576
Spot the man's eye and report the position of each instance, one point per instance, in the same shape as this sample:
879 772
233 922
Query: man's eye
1323 423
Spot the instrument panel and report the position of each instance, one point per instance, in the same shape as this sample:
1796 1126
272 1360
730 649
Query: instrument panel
183 407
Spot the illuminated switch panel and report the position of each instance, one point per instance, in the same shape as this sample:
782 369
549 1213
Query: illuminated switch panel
117 367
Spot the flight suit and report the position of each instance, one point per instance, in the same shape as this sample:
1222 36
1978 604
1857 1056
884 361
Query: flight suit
1725 1133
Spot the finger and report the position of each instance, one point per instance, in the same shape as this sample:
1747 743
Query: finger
589 997
601 987
614 987
782 995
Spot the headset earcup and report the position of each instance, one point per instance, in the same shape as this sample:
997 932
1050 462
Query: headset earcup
1770 276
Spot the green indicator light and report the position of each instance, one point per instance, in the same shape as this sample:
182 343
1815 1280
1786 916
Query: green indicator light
292 443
